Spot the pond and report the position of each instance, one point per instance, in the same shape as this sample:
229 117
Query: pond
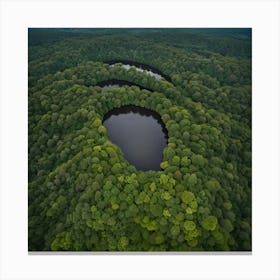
140 134
141 67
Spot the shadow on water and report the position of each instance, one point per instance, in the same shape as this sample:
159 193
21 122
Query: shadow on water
140 133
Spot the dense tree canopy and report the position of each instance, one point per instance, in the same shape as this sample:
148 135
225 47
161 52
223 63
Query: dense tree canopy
84 195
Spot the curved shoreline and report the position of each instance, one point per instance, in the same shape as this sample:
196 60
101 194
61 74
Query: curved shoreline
152 162
137 109
140 65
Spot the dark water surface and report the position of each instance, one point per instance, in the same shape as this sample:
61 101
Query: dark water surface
140 133
141 67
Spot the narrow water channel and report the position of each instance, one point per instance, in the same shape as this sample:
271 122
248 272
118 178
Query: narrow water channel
141 67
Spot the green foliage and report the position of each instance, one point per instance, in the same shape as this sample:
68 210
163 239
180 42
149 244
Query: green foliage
156 210
227 205
153 187
123 243
198 160
102 130
164 164
116 168
82 193
63 241
166 213
192 180
209 223
187 197
213 185
189 225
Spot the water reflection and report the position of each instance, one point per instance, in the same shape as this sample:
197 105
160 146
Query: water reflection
151 73
140 133
127 64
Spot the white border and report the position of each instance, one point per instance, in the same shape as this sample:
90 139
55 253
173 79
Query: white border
17 16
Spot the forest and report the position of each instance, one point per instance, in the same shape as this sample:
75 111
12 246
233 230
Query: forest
83 194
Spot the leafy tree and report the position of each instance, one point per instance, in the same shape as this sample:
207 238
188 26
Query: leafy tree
209 223
187 197
82 193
